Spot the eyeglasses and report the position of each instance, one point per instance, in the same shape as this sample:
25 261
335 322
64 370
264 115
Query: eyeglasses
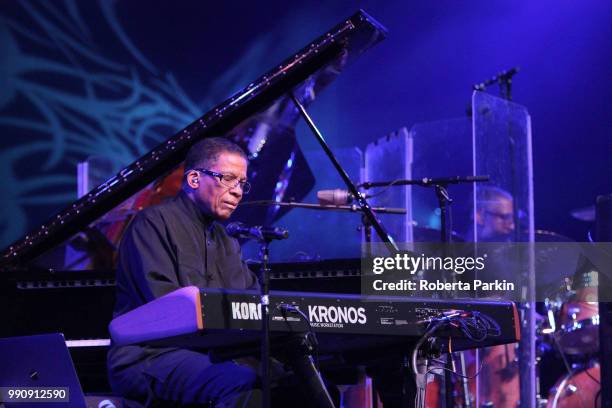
228 180
504 217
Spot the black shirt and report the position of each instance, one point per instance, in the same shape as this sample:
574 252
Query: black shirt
167 247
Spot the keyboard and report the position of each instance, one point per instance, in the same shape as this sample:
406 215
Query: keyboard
209 319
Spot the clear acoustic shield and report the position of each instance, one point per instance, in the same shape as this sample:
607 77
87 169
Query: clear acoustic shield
442 150
503 213
389 158
488 251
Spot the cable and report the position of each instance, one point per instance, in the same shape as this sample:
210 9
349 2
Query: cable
437 324
469 377
384 189
586 370
285 307
563 356
473 325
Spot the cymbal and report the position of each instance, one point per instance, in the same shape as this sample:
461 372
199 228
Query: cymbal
426 234
584 214
550 236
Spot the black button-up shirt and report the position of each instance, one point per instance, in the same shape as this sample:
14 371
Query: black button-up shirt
167 247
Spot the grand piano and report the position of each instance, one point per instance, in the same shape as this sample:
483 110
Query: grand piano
60 277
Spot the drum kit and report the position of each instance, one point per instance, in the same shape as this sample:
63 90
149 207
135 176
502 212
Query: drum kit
571 329
567 344
568 332
568 337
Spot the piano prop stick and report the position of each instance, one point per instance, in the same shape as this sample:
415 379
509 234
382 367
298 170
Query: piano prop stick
360 199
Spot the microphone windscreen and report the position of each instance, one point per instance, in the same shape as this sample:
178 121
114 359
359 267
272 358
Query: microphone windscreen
234 229
281 233
333 197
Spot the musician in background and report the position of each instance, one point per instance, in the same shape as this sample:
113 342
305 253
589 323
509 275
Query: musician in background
175 244
494 215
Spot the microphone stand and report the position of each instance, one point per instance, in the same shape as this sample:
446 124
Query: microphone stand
300 347
504 79
264 283
440 186
324 207
367 225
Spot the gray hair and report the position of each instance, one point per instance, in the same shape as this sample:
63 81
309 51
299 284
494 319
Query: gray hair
206 152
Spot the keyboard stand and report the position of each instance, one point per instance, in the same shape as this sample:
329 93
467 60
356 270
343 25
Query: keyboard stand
299 353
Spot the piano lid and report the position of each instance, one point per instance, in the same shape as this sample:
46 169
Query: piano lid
304 73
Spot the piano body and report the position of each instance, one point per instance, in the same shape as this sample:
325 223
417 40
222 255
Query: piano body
41 291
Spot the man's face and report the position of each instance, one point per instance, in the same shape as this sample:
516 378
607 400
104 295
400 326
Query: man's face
213 197
496 218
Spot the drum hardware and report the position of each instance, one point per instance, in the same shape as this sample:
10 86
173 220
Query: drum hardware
579 317
540 401
571 326
572 315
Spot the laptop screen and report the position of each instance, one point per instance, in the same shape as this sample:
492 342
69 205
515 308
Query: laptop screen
38 369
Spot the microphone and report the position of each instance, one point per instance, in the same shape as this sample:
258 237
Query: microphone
334 197
260 233
508 73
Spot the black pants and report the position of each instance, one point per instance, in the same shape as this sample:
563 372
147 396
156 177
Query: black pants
188 378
